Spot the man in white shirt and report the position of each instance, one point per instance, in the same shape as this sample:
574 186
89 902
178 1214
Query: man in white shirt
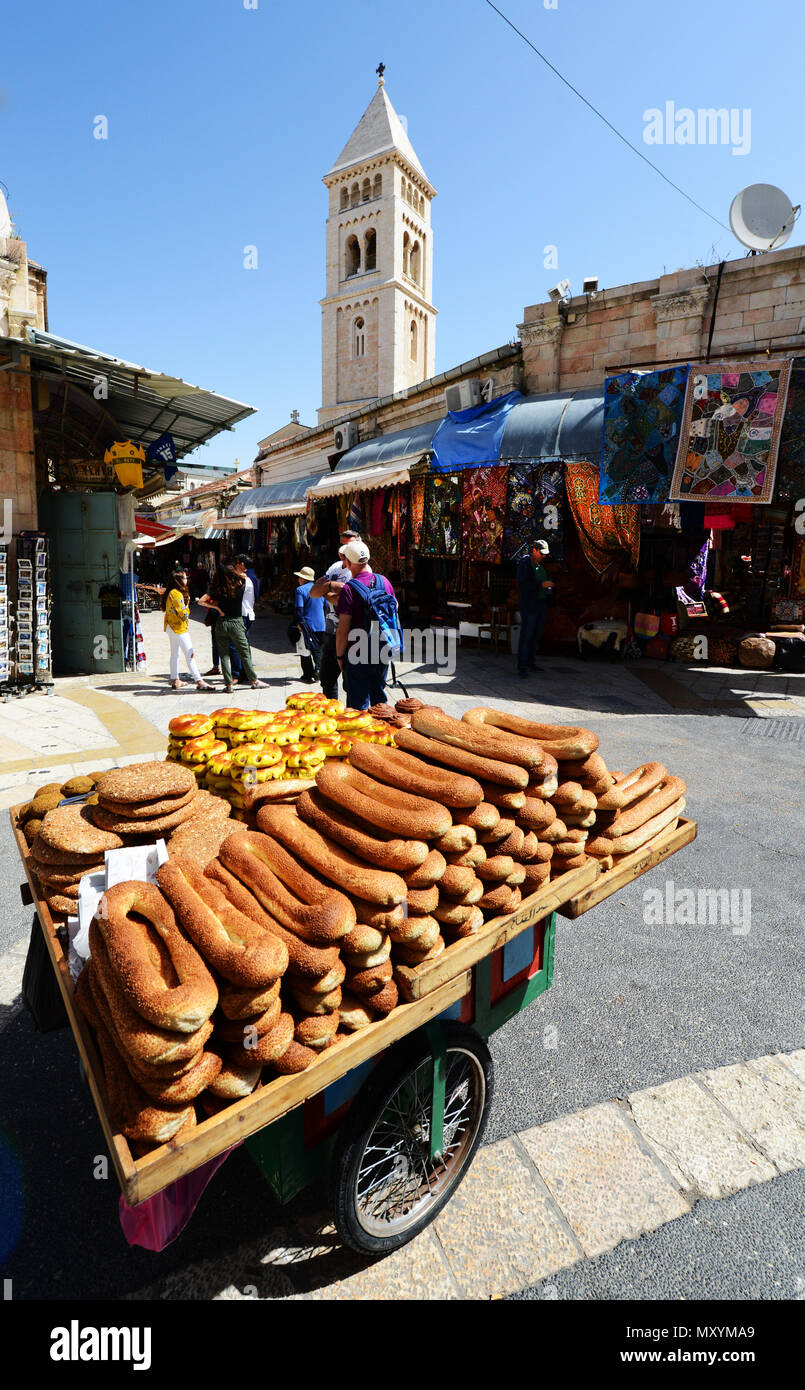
246 612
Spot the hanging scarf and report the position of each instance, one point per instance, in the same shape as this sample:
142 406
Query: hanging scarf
377 507
483 512
403 493
535 507
417 511
697 568
441 529
355 516
604 532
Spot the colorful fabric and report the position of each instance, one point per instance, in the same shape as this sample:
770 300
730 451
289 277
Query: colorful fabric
791 459
605 533
401 514
798 569
483 513
177 612
441 527
731 431
383 553
355 518
417 511
535 507
697 568
642 419
377 512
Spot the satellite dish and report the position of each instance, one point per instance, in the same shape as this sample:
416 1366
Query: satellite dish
762 217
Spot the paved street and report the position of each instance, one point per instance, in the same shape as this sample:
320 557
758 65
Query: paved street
634 1007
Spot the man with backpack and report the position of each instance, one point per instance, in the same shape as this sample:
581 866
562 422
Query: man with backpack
368 635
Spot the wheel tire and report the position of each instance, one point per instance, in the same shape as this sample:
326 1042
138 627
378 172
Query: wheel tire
467 1063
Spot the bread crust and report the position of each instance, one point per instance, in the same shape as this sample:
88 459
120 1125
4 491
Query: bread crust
410 817
475 736
397 856
560 741
292 896
323 856
447 755
410 774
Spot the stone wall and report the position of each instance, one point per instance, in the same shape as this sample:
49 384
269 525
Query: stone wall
17 461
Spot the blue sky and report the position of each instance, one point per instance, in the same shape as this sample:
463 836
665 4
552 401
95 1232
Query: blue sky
222 120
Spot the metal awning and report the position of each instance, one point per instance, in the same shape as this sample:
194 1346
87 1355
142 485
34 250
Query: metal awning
408 444
566 424
362 479
273 499
144 403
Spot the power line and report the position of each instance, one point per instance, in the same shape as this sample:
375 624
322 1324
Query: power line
603 118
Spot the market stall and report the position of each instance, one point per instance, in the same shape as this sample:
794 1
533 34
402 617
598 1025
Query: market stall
387 896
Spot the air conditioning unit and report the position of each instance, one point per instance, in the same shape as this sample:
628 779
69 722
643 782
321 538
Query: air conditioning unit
345 436
464 395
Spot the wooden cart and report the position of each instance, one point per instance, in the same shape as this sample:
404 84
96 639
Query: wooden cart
395 1111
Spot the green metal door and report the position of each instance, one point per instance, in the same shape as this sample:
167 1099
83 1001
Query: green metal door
82 529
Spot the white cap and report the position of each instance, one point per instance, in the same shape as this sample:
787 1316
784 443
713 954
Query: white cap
541 545
356 552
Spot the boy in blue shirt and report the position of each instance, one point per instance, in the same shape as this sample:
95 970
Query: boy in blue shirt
309 613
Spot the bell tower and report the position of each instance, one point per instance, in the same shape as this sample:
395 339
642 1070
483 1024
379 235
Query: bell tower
378 319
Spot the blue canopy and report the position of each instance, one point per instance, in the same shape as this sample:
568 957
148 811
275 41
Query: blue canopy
565 424
471 438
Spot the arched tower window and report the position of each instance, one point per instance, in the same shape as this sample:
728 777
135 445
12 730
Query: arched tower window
359 338
344 198
354 195
377 189
353 257
422 207
366 190
370 253
406 254
416 262
413 345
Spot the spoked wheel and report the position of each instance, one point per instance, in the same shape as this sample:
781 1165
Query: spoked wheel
384 1185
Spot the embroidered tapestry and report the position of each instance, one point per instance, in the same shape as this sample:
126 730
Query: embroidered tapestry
791 459
605 533
731 432
535 507
483 512
417 511
441 525
642 419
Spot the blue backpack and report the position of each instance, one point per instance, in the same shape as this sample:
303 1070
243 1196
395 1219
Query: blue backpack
381 610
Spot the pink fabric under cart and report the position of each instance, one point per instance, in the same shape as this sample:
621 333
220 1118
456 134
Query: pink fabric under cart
158 1220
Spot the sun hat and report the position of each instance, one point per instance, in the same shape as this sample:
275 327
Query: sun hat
306 574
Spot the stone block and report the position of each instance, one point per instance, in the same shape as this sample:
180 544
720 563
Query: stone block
769 1104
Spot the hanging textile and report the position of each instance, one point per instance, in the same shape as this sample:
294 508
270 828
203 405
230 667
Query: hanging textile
403 497
417 518
469 438
697 568
441 527
731 431
342 506
377 510
791 459
604 532
535 509
483 513
642 419
382 557
798 569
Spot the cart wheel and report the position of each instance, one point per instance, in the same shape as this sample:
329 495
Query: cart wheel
384 1187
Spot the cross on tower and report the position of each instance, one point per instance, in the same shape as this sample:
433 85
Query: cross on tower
380 69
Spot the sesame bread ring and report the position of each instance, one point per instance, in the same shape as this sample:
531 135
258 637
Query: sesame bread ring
237 1030
472 895
543 790
469 927
630 788
422 901
409 955
317 1030
516 877
364 960
456 840
383 920
295 1058
265 794
535 876
362 938
553 833
384 1000
503 798
414 817
354 1013
316 1003
182 1089
146 810
430 871
157 825
233 1082
147 1044
496 869
501 900
451 914
476 737
501 832
601 847
580 820
232 942
145 782
652 805
636 839
161 974
325 984
484 816
369 981
266 1048
469 858
542 855
329 860
513 844
568 849
559 740
238 1003
399 769
450 756
291 895
567 794
130 1108
71 830
564 866
456 881
191 725
410 930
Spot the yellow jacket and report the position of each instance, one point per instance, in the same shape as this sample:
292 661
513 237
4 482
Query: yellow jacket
177 612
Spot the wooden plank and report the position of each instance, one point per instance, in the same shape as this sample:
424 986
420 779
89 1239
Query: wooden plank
415 981
284 1093
629 867
141 1178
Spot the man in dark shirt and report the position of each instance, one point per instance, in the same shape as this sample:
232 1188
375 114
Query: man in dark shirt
533 588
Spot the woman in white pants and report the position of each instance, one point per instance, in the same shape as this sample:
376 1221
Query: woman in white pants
177 616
